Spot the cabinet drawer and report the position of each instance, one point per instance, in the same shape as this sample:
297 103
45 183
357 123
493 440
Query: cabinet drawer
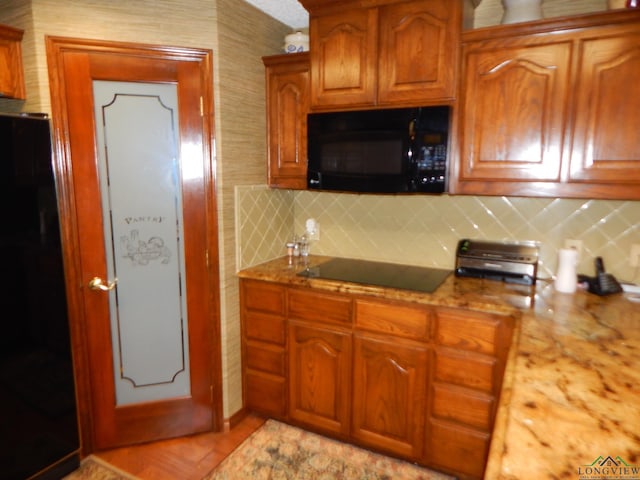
394 319
465 406
457 449
473 331
265 358
460 368
264 327
265 393
320 307
263 297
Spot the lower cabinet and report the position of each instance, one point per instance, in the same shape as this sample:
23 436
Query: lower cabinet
456 449
389 387
263 348
319 377
415 381
468 358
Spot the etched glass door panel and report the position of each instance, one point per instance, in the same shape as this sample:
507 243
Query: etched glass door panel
140 187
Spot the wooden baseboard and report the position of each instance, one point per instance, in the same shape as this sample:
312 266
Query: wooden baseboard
235 419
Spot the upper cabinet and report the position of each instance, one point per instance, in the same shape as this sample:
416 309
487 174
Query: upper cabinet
551 115
287 79
606 119
11 75
382 52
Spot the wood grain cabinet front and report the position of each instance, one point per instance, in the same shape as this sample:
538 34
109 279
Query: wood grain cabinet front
389 394
320 377
468 361
416 381
551 115
513 109
385 53
605 149
287 80
11 72
397 319
262 313
320 356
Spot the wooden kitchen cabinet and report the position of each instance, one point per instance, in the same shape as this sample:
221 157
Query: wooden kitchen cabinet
11 72
386 53
287 83
389 394
320 377
605 148
468 361
344 55
513 109
262 313
390 375
320 353
551 115
416 381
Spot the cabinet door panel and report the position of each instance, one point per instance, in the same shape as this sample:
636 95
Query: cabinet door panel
263 297
389 395
266 358
457 449
319 377
514 102
11 74
307 305
287 79
343 58
606 147
393 319
473 331
461 405
464 369
264 327
265 393
418 51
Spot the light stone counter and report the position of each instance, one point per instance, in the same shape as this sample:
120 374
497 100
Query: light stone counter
571 390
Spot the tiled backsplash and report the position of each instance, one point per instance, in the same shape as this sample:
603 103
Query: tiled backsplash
424 230
264 223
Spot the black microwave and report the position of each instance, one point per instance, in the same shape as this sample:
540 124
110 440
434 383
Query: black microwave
400 150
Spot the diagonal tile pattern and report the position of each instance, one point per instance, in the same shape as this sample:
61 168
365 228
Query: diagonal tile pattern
424 230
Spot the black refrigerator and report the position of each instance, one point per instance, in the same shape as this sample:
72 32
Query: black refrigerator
38 420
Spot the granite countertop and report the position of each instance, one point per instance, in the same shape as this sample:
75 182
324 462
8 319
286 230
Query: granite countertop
571 390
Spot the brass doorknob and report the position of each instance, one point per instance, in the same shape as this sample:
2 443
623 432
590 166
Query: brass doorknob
96 284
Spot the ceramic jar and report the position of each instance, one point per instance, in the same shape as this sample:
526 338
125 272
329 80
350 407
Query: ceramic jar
296 42
521 10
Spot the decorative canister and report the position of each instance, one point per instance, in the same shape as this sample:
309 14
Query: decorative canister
521 10
296 42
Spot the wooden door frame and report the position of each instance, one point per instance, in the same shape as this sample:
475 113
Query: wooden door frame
56 47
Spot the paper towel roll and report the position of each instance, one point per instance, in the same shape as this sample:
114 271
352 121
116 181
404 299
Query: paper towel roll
566 279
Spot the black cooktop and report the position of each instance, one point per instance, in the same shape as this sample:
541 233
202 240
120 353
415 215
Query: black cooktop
405 277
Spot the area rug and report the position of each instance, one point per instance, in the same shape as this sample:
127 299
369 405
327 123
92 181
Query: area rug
277 452
93 468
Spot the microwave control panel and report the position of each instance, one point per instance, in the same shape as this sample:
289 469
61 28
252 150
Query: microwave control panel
431 163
